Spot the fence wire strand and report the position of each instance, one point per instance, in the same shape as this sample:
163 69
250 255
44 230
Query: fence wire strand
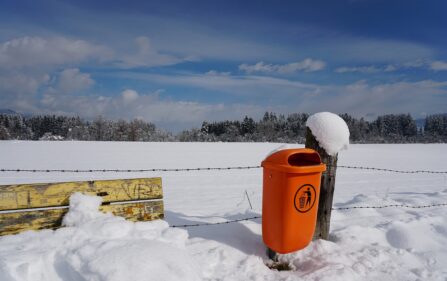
204 169
334 209
129 170
216 223
391 170
391 206
241 168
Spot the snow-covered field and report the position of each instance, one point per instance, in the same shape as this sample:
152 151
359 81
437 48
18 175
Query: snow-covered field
366 244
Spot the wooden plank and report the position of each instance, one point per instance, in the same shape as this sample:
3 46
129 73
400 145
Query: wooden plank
13 223
26 196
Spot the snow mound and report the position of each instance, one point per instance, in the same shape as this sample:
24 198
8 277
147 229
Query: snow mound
98 247
83 208
330 130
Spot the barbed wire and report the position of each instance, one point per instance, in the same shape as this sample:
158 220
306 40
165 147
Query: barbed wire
391 170
334 209
128 170
205 169
391 206
238 168
216 223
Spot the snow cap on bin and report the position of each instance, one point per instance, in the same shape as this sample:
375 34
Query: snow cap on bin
295 160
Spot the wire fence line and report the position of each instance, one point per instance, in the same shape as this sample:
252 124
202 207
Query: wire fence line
242 168
217 223
205 169
334 209
129 170
391 170
392 206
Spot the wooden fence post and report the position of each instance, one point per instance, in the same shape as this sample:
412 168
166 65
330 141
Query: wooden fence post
326 188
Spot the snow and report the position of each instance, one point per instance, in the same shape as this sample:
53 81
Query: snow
330 130
82 209
98 247
365 244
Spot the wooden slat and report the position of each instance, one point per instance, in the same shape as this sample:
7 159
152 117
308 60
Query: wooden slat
26 196
13 223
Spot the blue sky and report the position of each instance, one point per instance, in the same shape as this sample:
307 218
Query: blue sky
178 63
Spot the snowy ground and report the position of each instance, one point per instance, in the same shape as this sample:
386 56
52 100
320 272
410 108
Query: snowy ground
366 244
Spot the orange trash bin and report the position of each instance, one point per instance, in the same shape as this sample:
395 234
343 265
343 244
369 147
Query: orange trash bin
291 189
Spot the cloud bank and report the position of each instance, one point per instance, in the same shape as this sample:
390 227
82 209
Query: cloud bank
57 75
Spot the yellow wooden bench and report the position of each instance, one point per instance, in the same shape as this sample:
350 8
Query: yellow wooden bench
42 206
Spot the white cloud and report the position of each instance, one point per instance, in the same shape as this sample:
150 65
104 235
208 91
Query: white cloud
357 98
72 80
129 96
307 65
188 39
414 64
361 98
421 64
19 84
68 81
28 63
361 69
438 65
286 95
390 68
259 86
167 113
367 50
146 56
217 73
18 90
38 52
258 67
204 41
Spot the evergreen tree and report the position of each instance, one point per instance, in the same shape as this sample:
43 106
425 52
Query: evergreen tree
248 126
4 134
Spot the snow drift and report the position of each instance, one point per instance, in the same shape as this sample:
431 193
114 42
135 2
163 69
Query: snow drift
98 247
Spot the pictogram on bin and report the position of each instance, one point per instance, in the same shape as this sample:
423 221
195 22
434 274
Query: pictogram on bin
291 189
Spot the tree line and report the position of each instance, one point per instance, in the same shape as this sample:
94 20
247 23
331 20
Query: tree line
53 127
391 128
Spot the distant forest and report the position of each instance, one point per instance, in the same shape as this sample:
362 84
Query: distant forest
393 128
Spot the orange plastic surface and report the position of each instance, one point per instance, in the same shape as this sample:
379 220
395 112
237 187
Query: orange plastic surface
291 189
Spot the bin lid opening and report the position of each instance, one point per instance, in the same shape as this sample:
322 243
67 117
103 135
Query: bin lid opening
304 159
